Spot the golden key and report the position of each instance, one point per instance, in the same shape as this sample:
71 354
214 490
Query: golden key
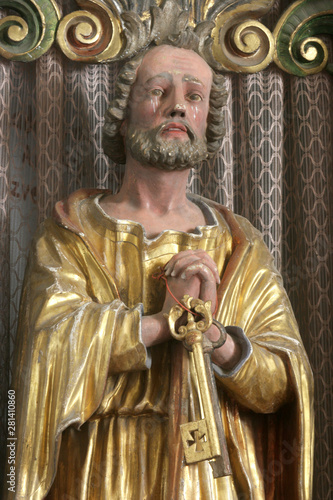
203 439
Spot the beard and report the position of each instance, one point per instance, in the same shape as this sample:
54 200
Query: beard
149 147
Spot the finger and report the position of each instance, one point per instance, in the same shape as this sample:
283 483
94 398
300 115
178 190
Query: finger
176 267
169 266
183 266
180 269
200 270
177 287
208 292
182 263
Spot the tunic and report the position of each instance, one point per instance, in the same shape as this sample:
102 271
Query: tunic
99 414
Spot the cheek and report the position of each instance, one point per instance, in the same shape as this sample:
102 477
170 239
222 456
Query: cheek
143 113
199 117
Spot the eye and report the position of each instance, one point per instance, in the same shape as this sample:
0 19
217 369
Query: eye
157 92
194 97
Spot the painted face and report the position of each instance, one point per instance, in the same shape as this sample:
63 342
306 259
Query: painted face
172 92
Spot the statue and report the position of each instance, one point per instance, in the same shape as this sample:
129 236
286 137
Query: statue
102 387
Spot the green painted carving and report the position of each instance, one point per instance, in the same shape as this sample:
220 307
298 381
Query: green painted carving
240 42
29 29
298 50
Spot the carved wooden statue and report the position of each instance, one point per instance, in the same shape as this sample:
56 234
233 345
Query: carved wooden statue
104 390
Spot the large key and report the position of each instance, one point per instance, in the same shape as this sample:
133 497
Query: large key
203 439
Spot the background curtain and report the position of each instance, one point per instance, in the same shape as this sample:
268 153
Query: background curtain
275 168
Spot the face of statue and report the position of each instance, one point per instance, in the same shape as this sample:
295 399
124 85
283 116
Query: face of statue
168 109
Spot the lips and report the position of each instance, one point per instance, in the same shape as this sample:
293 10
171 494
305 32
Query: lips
174 127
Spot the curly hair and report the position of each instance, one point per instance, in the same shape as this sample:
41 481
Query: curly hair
112 140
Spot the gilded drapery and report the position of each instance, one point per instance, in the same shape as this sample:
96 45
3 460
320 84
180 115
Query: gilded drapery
129 416
275 168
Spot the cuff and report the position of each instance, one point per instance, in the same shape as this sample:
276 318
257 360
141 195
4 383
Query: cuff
128 352
239 337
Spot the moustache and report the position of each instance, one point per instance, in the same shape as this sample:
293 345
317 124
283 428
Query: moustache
190 132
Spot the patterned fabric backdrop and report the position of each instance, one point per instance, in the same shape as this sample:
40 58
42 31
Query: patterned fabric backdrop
275 168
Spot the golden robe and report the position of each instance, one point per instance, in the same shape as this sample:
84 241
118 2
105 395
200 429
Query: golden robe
98 414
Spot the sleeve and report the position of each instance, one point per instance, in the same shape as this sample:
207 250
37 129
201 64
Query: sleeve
252 298
73 334
267 401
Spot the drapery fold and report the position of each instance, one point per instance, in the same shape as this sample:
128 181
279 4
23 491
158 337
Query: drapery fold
98 382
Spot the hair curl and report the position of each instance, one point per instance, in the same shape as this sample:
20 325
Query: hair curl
113 141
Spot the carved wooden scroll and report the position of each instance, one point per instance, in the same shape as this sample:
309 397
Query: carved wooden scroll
112 30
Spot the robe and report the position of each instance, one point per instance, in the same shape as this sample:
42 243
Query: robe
98 413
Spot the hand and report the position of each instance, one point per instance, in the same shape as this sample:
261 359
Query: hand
192 272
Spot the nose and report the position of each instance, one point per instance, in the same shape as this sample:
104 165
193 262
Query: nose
178 110
176 107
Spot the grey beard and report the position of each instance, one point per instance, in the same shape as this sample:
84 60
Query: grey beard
148 147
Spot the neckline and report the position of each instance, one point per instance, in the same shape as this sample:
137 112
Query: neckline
126 224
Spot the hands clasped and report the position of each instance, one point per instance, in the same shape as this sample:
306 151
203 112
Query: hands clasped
191 272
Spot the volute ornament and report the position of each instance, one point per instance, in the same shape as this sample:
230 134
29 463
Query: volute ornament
232 36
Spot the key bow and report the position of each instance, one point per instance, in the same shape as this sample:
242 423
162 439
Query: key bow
191 333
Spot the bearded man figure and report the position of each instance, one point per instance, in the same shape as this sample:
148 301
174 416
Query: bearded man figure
102 385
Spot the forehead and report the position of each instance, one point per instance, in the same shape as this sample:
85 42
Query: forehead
173 61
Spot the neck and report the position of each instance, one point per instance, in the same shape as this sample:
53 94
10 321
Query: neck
148 188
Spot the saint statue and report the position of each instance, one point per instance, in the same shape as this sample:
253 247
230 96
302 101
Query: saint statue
101 385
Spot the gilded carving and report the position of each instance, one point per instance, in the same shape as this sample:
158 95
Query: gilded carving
103 30
298 50
241 43
29 34
90 35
